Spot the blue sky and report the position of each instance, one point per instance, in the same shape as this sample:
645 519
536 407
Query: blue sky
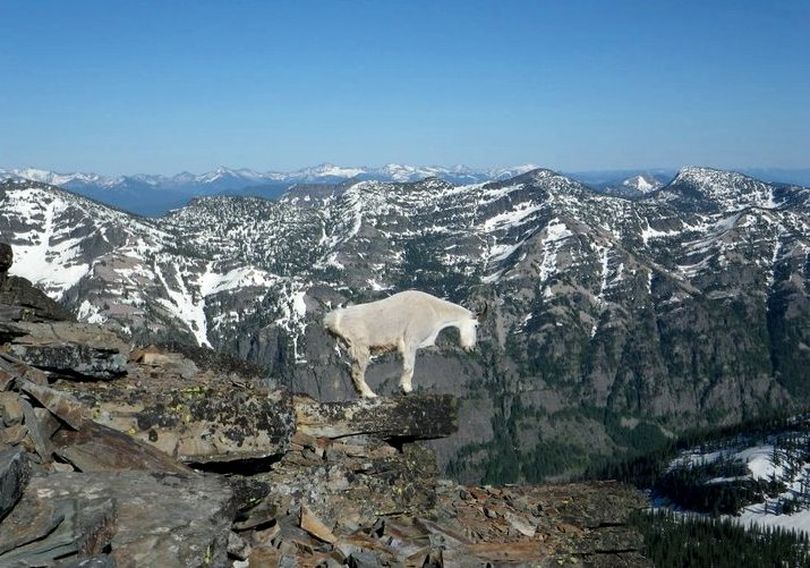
160 87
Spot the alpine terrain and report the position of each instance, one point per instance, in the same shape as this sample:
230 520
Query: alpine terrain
611 323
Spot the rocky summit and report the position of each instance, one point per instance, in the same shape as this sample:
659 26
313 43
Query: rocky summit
613 323
113 455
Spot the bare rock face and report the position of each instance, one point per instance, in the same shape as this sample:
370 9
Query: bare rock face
101 448
15 470
21 301
144 519
6 257
97 448
71 349
200 419
413 417
350 484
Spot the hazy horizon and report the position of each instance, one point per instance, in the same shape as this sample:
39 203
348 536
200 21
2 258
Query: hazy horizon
595 177
577 86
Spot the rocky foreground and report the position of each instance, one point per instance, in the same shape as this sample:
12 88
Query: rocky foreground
112 455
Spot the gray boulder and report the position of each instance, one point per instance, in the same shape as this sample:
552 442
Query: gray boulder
140 518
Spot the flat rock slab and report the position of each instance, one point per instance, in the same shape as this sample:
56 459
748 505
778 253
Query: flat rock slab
34 304
8 330
95 447
43 528
72 349
140 518
15 470
412 417
198 420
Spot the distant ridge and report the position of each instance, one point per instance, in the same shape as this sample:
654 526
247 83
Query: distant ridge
155 195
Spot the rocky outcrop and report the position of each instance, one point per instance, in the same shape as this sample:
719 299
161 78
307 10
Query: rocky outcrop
139 518
112 456
6 259
203 418
67 348
412 418
687 307
19 300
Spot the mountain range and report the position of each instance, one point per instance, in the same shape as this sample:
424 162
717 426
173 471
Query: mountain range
613 323
151 195
155 195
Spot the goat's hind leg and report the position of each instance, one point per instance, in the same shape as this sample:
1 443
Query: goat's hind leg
408 361
360 359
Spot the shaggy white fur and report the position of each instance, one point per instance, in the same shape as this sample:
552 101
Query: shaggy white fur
403 322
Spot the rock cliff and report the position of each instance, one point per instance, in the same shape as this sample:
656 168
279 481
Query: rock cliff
112 455
613 324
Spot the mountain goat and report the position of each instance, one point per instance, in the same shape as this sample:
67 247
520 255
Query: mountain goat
403 322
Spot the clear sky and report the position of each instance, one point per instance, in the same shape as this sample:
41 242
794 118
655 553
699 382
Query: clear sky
165 86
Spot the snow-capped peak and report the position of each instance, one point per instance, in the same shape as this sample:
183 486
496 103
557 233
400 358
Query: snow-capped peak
506 173
727 189
55 178
642 183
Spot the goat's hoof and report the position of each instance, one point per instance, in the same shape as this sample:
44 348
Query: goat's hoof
369 395
406 390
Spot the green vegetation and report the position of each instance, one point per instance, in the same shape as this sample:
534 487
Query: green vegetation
690 487
549 458
673 541
643 469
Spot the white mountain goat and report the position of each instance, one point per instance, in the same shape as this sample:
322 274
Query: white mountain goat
403 322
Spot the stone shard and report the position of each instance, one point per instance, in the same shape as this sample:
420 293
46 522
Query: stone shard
158 359
100 561
142 518
15 470
45 531
264 556
39 440
238 547
48 424
412 417
72 350
66 408
12 370
314 526
365 559
13 435
8 330
11 410
98 448
520 524
544 525
23 533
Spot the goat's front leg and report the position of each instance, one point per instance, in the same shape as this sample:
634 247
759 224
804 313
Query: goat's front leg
408 361
359 365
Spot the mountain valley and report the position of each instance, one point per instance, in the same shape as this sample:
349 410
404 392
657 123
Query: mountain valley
614 322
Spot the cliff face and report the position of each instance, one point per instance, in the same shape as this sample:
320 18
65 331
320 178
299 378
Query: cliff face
613 323
115 456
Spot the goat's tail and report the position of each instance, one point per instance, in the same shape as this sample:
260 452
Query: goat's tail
332 320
